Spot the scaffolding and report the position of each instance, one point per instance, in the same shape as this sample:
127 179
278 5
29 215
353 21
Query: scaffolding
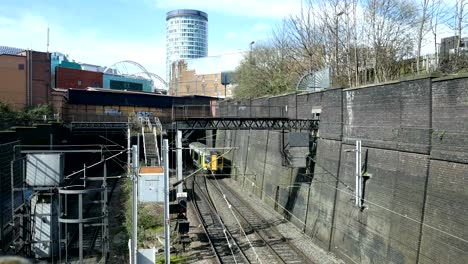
58 218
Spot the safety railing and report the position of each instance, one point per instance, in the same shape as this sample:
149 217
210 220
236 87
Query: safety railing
229 111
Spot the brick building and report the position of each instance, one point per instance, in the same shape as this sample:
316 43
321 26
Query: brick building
13 80
208 76
74 78
24 77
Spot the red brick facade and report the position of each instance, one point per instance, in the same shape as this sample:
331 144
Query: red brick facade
73 78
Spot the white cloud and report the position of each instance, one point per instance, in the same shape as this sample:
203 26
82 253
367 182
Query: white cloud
251 8
87 45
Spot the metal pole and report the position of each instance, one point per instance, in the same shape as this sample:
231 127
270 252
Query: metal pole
250 53
80 226
167 228
359 173
135 204
51 140
358 192
105 230
129 153
336 46
179 160
161 142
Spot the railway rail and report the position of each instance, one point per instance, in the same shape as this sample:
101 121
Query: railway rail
222 241
278 246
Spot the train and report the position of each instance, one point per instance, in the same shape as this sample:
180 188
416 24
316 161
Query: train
208 159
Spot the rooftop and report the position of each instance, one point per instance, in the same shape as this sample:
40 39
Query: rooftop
10 50
186 12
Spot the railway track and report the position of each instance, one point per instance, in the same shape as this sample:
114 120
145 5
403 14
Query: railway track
279 247
222 241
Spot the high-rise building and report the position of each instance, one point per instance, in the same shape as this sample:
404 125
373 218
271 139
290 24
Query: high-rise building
186 36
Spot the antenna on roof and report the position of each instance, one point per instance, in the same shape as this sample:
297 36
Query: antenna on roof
48 30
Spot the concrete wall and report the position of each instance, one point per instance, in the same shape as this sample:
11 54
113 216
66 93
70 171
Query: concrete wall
415 146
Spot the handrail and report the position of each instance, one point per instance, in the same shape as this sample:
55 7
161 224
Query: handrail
144 144
237 110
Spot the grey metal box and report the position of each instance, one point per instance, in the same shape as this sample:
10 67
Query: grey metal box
151 187
44 226
44 169
298 139
298 157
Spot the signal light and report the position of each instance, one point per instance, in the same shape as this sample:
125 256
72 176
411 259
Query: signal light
182 202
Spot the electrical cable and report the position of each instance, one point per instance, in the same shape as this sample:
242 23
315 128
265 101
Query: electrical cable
230 208
303 223
237 220
366 200
95 164
224 228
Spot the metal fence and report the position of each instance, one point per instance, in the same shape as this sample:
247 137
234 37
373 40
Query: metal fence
229 111
7 154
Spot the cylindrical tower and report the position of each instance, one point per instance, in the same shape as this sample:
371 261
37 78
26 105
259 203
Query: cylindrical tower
186 36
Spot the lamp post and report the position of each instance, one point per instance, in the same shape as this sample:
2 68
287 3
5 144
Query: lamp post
336 41
250 54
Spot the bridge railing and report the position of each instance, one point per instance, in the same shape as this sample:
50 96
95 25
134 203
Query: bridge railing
228 111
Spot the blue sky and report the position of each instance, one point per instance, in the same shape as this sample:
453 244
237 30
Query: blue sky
104 32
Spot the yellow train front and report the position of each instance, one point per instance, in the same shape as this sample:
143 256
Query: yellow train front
208 159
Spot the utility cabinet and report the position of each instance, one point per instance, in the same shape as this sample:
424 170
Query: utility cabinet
44 169
151 184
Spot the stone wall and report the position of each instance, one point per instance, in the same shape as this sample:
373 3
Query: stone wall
415 147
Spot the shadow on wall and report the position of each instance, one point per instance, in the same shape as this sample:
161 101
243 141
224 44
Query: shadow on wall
302 177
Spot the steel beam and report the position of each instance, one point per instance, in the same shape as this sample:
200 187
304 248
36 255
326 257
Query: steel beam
246 124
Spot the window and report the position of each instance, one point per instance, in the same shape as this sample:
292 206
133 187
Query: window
20 67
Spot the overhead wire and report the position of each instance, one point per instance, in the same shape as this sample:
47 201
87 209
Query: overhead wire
237 220
217 214
95 164
370 202
366 200
303 223
219 218
224 229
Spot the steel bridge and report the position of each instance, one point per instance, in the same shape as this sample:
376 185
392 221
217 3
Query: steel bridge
201 117
238 117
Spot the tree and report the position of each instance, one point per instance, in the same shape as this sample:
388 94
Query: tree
306 39
423 28
390 27
439 15
460 10
268 73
